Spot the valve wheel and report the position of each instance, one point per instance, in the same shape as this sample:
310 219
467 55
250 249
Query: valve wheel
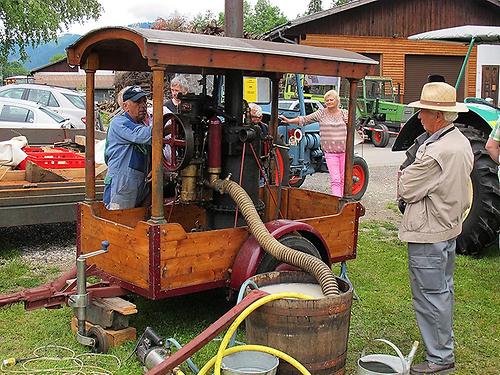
179 140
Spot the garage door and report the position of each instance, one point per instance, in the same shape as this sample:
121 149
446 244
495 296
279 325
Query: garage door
419 67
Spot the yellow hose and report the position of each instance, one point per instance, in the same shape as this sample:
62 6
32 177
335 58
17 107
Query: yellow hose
271 245
243 315
257 348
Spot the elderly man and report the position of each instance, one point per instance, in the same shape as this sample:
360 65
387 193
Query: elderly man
435 189
126 153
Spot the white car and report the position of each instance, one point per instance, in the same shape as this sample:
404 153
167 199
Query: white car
22 114
311 105
68 103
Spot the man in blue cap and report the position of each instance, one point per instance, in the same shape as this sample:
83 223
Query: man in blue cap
126 153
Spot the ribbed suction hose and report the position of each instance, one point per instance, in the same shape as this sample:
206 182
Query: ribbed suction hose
271 245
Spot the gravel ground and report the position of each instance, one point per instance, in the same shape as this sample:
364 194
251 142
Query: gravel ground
54 244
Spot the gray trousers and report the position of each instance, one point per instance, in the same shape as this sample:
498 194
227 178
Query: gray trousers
431 269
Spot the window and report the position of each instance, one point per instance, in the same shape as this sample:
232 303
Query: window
43 97
12 93
56 116
77 100
16 114
309 108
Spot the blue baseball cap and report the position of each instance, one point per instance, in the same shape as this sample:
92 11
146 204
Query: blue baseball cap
134 93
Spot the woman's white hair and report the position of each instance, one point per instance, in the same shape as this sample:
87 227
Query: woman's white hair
181 82
255 109
332 94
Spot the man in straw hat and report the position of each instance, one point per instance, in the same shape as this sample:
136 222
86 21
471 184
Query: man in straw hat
435 189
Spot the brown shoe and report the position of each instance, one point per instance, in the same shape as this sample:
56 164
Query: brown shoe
432 368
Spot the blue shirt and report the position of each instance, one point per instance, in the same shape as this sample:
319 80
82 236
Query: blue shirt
126 145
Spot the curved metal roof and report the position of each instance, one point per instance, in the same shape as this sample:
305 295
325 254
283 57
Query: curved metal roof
463 34
121 48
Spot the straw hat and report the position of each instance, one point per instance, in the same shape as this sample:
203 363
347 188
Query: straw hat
439 96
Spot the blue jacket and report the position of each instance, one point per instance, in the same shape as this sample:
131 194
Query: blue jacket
126 145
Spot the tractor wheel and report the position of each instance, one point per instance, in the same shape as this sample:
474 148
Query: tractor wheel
296 181
270 263
101 339
380 136
360 175
482 222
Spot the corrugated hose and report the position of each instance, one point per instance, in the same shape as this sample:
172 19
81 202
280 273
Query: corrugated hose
271 245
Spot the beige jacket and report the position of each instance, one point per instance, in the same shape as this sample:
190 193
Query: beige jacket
436 188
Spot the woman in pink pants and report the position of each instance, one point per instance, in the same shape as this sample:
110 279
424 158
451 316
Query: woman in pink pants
333 132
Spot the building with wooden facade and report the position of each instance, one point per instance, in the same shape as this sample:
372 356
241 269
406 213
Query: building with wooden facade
379 29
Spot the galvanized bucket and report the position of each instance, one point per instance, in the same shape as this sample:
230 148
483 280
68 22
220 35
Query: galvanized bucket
250 363
384 364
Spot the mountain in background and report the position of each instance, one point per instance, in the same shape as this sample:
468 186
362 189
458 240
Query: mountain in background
42 54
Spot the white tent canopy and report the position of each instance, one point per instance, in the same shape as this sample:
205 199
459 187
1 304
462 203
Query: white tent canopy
463 34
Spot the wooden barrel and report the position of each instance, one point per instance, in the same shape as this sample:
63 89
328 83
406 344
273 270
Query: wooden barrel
314 332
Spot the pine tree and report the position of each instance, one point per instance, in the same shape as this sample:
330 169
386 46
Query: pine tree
314 6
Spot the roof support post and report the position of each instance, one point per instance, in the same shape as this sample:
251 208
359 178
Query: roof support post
91 66
157 214
349 145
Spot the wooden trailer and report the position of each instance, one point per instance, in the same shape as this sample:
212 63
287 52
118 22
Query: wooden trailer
189 242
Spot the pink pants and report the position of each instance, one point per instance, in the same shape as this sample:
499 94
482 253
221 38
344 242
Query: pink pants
336 168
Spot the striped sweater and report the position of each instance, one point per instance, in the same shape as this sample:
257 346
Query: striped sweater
332 127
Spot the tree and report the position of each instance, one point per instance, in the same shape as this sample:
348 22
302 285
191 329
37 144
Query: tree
13 68
57 57
262 18
314 7
31 22
337 3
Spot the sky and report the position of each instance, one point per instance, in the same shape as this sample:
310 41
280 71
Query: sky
125 12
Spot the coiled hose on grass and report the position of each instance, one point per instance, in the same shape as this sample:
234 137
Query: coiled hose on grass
271 245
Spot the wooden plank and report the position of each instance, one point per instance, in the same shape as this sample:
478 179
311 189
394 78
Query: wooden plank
115 338
14 175
117 304
35 173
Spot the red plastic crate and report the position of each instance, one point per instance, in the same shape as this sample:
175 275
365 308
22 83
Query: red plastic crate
52 160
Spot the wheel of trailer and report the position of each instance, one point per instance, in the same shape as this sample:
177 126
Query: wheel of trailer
360 176
269 263
380 135
101 339
482 221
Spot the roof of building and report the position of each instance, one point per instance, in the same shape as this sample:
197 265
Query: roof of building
276 32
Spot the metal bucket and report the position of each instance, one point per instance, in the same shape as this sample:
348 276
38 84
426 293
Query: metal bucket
249 363
314 332
384 364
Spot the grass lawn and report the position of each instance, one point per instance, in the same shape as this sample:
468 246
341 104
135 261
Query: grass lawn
384 310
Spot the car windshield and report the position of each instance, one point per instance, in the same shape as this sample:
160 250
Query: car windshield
284 105
77 100
379 89
57 117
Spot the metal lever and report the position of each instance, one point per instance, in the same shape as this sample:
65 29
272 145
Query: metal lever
104 249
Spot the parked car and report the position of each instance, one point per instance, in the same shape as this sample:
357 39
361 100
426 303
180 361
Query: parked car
290 108
22 114
68 103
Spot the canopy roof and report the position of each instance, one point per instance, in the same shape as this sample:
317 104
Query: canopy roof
463 34
134 49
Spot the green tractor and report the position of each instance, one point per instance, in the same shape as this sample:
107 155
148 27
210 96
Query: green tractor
313 87
481 224
379 115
